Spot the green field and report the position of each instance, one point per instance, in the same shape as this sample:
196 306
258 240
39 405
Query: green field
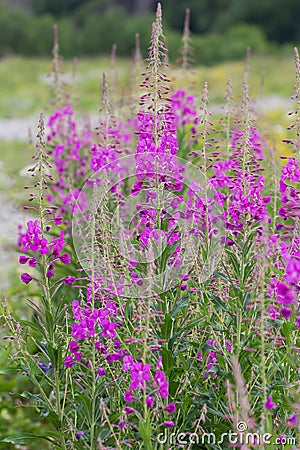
25 85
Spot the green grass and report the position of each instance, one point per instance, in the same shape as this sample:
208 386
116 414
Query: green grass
24 89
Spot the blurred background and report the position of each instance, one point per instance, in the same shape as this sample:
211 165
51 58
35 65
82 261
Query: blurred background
221 28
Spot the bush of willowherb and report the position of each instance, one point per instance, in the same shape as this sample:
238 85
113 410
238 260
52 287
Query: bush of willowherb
165 251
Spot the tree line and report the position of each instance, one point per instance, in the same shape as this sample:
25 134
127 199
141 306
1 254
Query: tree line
93 26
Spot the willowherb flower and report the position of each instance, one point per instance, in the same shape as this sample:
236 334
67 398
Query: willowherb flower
26 278
150 402
33 241
240 191
140 373
269 404
184 110
169 423
70 154
170 408
292 420
79 434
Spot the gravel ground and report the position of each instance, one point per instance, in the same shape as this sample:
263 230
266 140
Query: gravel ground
19 129
10 218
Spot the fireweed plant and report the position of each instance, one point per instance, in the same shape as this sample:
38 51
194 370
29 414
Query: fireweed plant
167 272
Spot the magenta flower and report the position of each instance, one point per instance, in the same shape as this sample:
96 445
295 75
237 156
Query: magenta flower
285 294
162 384
32 262
65 258
128 397
69 280
292 420
140 373
286 312
26 278
79 434
269 404
74 346
169 423
69 362
274 314
23 259
149 402
170 408
49 273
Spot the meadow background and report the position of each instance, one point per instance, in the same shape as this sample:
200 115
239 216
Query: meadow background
222 30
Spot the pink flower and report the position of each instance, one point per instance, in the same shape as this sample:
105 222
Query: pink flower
128 397
169 423
285 294
286 312
170 408
69 280
292 420
65 258
149 402
269 404
23 259
26 278
162 384
140 373
74 346
127 362
69 362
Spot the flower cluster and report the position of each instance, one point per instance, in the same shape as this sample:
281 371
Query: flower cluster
184 109
36 244
154 388
157 159
288 254
290 176
241 193
254 141
70 154
211 356
96 324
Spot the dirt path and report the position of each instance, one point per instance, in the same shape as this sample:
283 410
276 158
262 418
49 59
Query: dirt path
18 129
10 218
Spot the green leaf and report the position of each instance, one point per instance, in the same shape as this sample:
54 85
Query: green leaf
193 323
32 325
37 398
217 301
180 304
145 432
167 359
129 310
166 327
25 438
